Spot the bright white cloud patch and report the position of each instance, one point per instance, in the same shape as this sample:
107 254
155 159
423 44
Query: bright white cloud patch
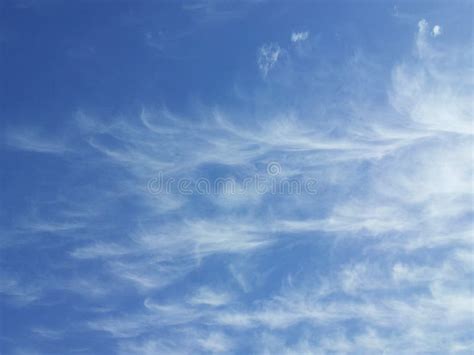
268 55
436 31
299 36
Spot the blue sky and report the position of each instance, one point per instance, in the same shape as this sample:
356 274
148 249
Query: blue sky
366 107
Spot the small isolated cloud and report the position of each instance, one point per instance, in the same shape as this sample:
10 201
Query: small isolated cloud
436 31
268 55
299 36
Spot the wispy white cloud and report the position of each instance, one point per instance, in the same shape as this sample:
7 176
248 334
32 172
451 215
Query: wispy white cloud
48 333
97 250
393 188
30 139
418 182
299 36
169 252
209 297
18 291
267 57
191 341
216 343
212 10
